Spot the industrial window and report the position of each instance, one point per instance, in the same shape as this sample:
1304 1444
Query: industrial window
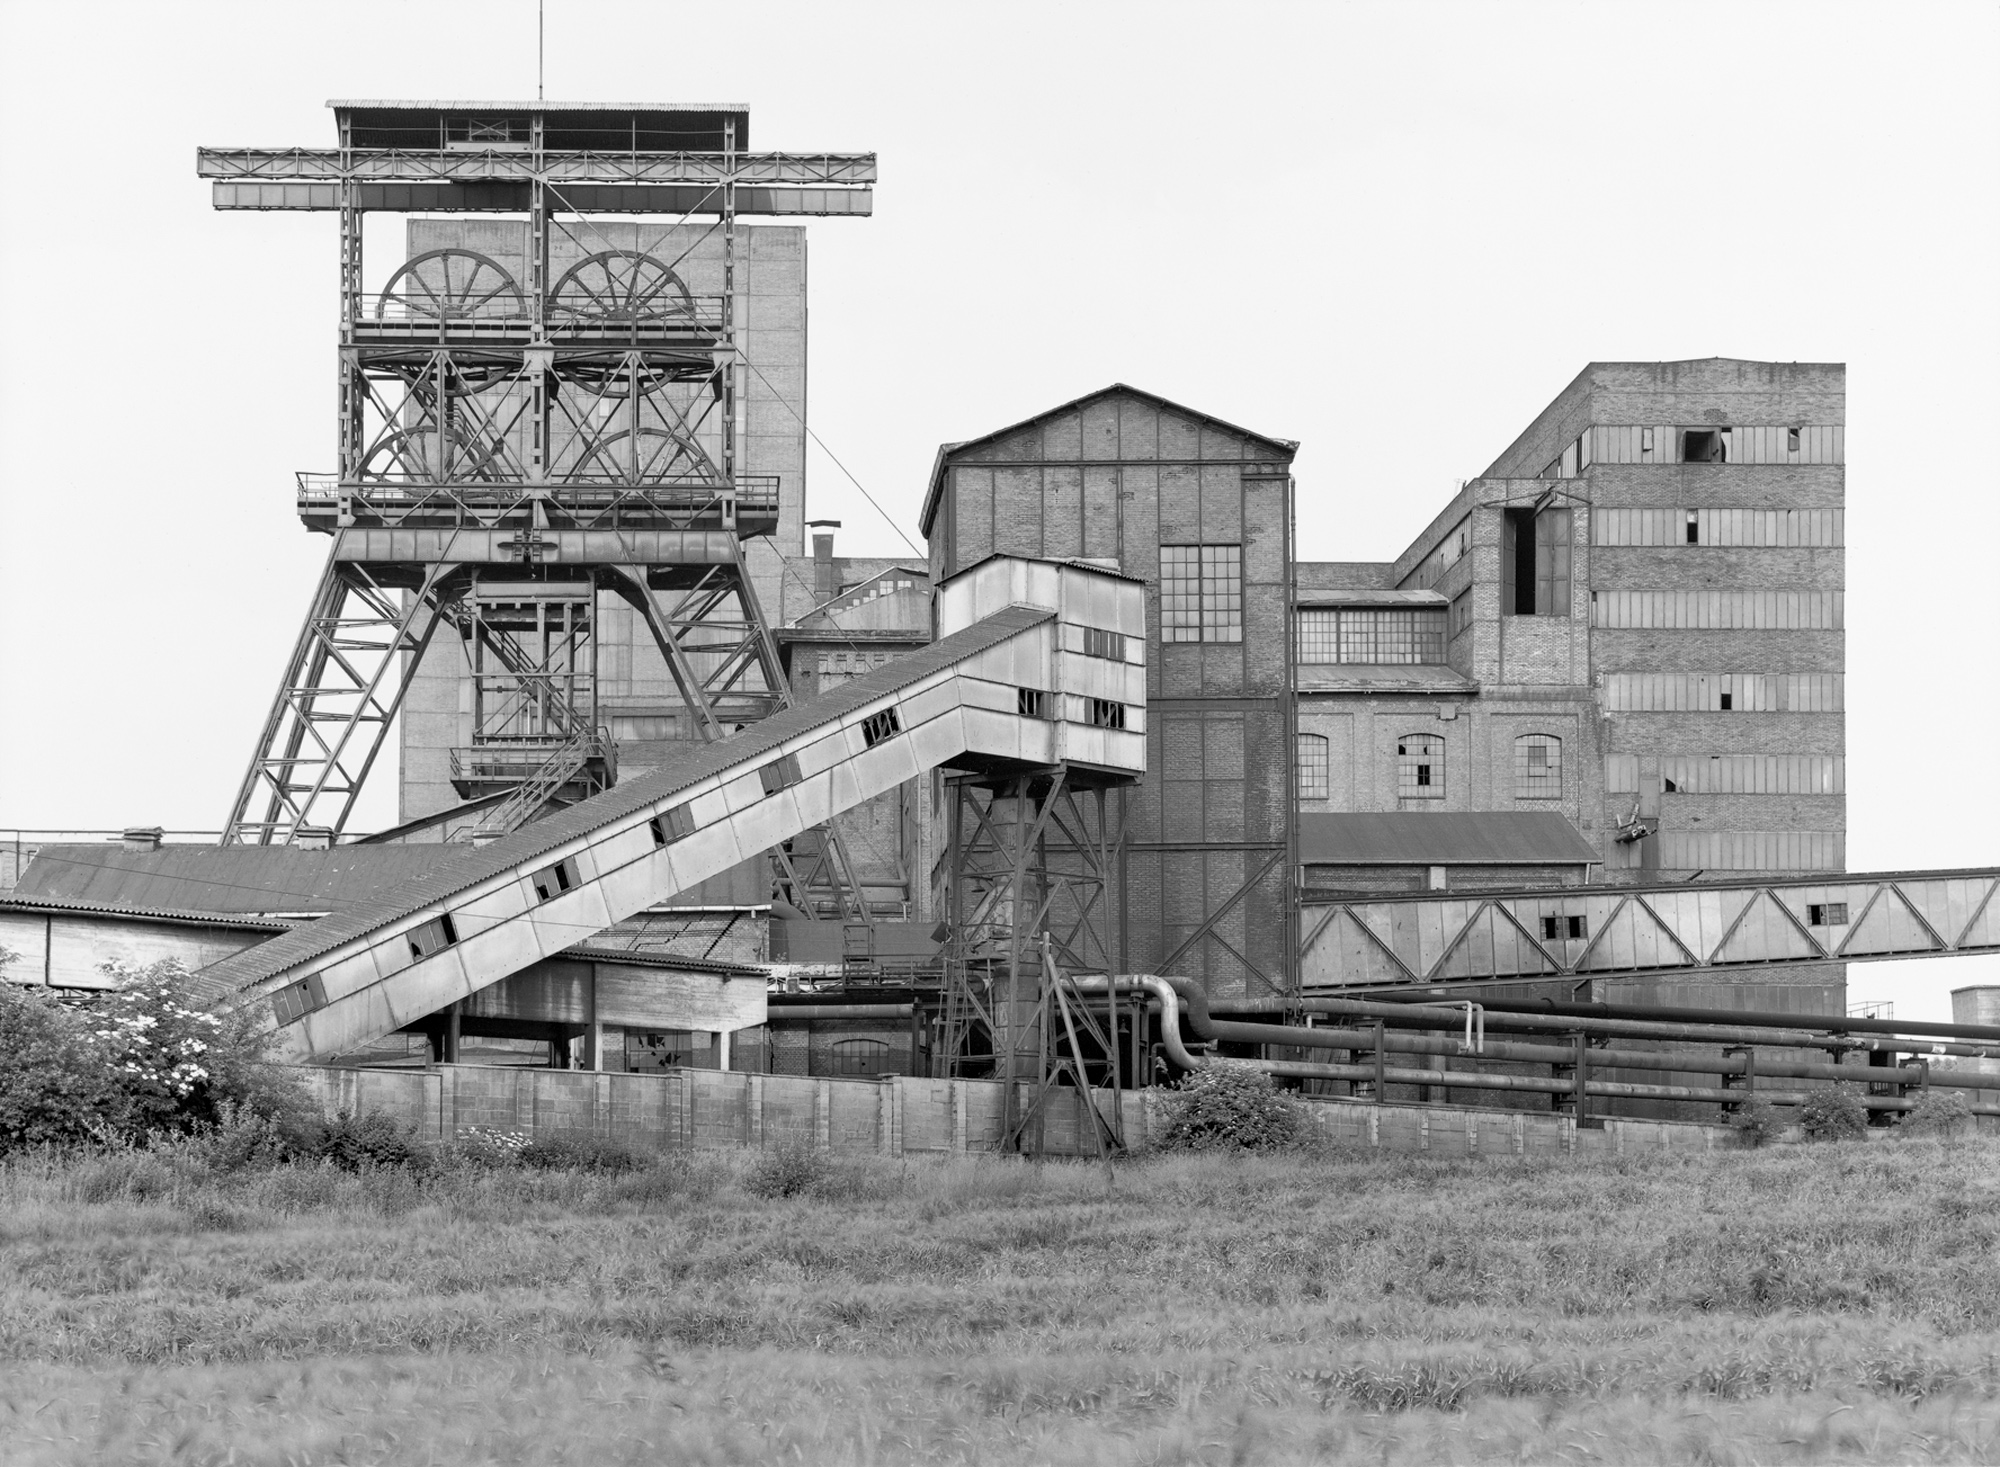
1694 527
1099 643
675 824
1201 593
552 881
1104 713
779 774
294 1001
879 726
667 1049
1535 562
1315 768
1031 703
1538 767
434 936
1564 929
1704 445
1368 635
1420 767
1826 914
1791 440
860 1056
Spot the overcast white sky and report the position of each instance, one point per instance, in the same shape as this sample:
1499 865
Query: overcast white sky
1391 231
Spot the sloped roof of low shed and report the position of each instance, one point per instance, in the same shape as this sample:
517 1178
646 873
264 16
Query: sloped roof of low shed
227 879
1423 838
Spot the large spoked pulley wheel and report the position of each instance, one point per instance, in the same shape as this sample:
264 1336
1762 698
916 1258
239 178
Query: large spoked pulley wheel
451 285
621 285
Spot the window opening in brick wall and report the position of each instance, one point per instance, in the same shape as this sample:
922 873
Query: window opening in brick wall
860 1056
1315 767
1367 635
434 936
1104 713
1201 593
552 881
1535 563
879 726
1538 767
1791 440
1728 701
1420 767
1031 702
1826 914
1694 527
1704 445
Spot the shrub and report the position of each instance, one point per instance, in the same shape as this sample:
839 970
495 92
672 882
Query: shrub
789 1169
1758 1121
353 1142
490 1146
55 1087
142 1058
1232 1107
1834 1113
1941 1112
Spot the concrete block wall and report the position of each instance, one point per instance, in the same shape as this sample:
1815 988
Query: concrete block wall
899 1117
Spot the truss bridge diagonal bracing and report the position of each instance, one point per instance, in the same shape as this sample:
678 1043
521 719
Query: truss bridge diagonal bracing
526 437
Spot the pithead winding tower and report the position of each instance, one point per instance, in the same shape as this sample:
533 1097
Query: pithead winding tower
512 442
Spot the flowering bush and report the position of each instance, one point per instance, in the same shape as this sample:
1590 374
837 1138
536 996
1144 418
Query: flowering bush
491 1145
1834 1113
141 1057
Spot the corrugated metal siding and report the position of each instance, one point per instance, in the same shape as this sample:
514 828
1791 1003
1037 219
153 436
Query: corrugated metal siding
1719 610
1696 692
1824 443
1762 528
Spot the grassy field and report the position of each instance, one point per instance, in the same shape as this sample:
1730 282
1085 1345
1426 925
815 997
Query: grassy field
1835 1303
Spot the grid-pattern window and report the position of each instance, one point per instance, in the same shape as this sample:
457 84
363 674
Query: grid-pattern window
1460 615
860 1056
1201 593
1420 767
1315 768
1538 767
1367 635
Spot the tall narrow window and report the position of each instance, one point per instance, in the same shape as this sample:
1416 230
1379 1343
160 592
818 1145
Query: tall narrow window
1420 767
1535 563
1694 527
1201 593
1315 768
1537 767
1791 440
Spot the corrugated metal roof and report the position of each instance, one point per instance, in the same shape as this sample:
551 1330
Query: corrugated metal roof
1373 596
1423 838
213 879
1377 677
491 106
58 907
1069 560
479 865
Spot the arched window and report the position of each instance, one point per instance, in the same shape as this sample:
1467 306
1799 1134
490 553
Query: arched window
1538 767
860 1057
1420 767
1315 768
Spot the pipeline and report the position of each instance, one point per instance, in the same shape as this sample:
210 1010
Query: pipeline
1412 1015
1173 993
1764 1018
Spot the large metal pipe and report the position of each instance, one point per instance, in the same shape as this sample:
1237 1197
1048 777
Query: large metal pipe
1413 1015
1174 994
1762 1018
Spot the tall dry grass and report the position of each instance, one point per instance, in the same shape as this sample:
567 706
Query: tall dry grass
1810 1304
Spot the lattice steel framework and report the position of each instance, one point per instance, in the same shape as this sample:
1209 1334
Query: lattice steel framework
509 448
1032 860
